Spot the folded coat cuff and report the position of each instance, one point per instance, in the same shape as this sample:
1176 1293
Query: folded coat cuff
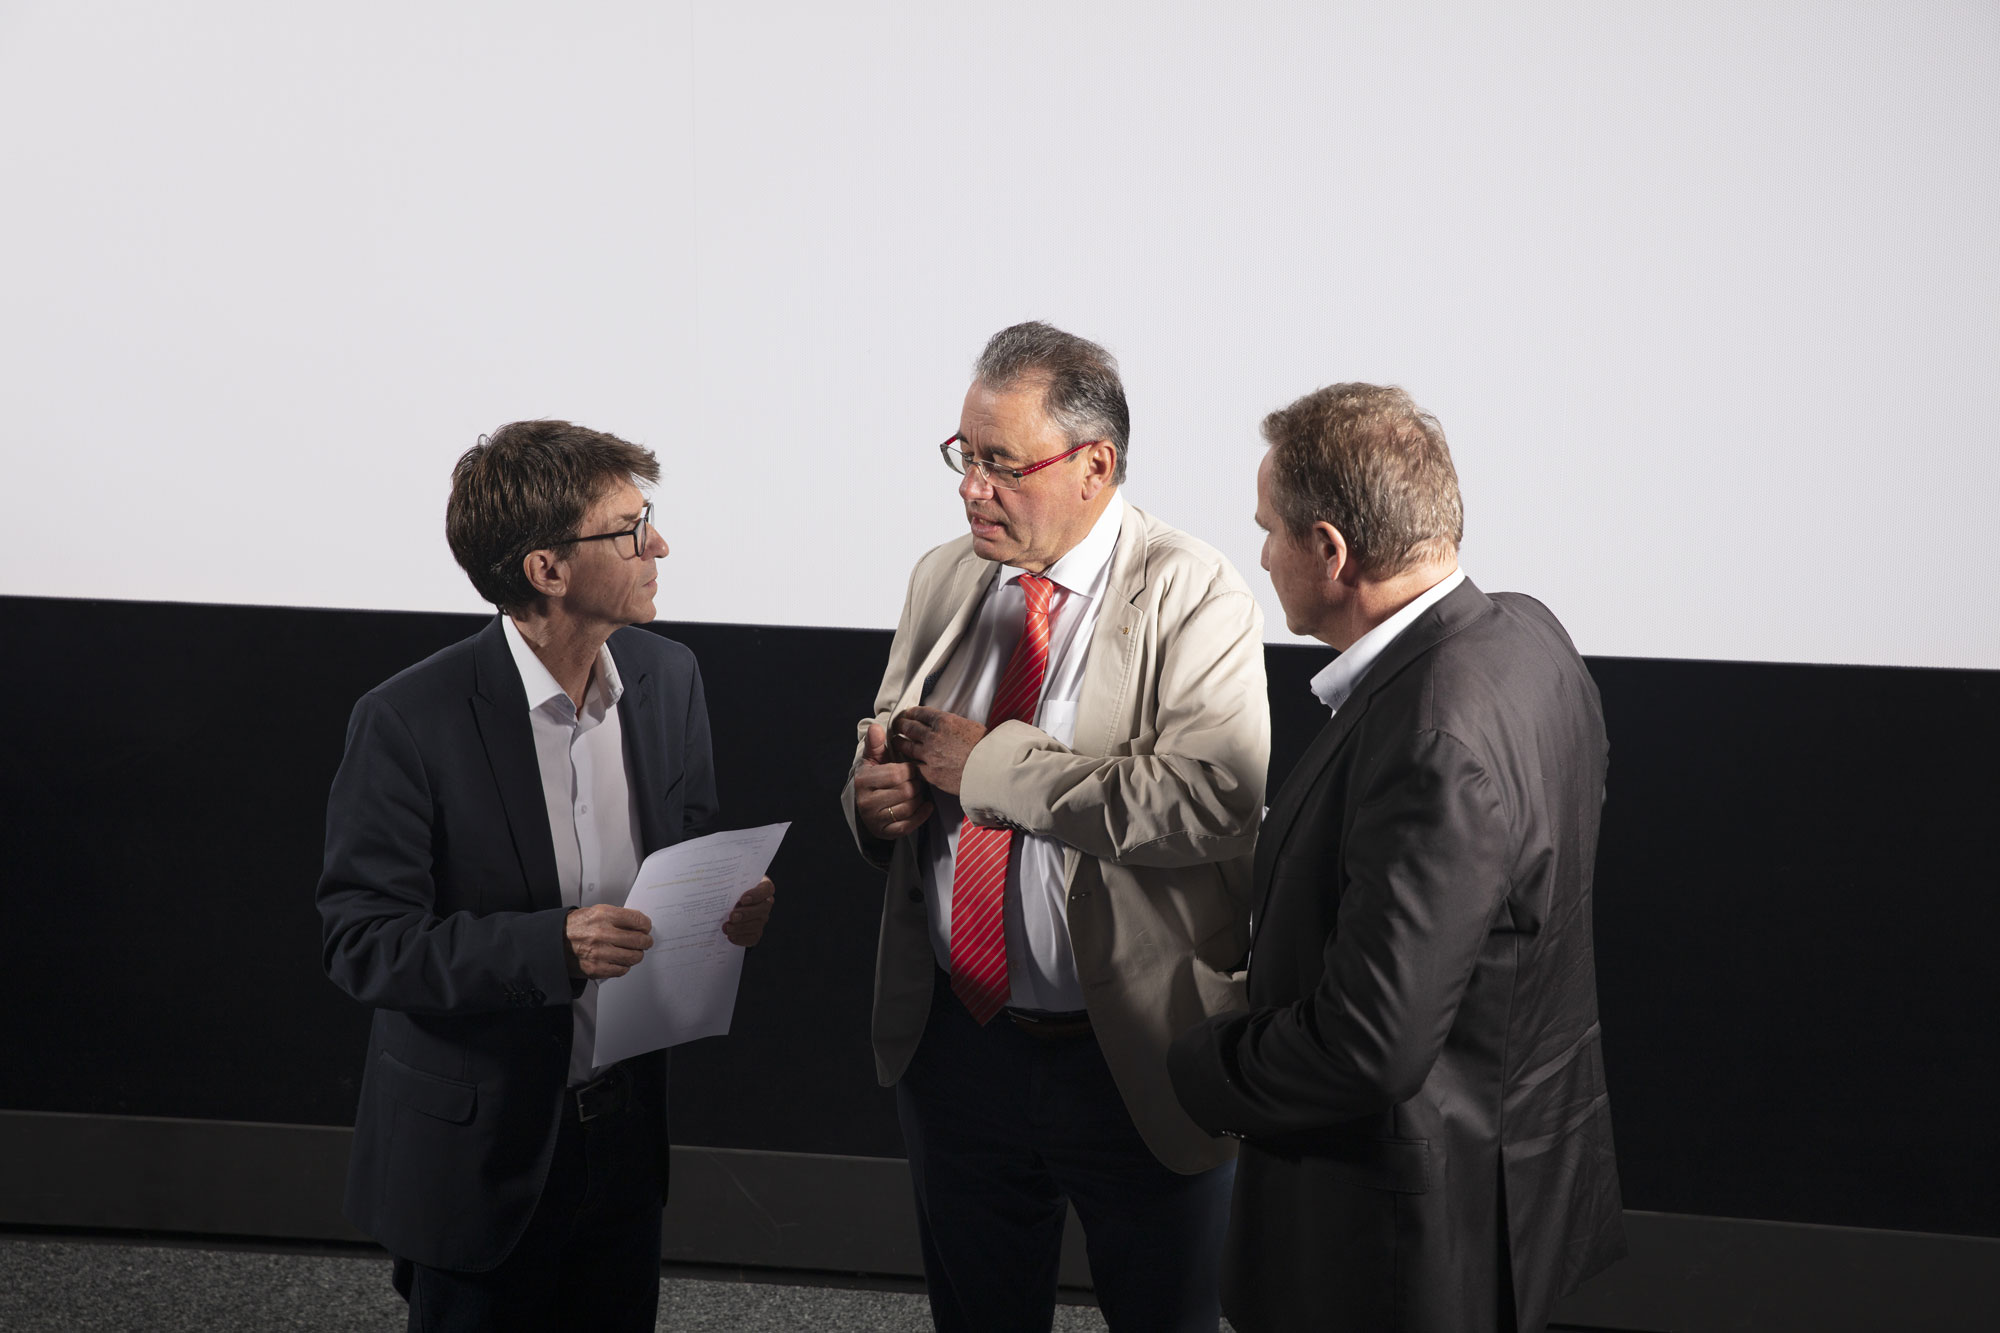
983 789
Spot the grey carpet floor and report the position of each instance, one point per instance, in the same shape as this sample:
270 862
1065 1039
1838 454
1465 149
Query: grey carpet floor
66 1286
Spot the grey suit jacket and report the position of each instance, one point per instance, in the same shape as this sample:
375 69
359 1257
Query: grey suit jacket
1158 802
1419 1082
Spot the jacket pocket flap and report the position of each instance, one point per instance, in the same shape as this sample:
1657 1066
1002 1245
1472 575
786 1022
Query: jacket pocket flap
1402 1166
446 1098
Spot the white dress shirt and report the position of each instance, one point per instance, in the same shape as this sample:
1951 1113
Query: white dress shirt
592 818
1337 679
1041 968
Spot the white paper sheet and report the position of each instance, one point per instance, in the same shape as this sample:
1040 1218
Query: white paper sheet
685 985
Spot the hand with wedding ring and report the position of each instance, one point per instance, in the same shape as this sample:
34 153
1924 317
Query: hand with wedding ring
888 795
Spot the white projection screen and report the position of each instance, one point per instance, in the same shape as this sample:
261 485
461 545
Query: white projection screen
1707 295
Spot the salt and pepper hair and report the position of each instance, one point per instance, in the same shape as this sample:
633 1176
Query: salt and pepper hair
1081 391
1368 460
526 487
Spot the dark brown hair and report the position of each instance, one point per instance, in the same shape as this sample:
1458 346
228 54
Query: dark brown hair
526 487
1368 460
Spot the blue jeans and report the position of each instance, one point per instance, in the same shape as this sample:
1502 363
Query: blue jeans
1003 1130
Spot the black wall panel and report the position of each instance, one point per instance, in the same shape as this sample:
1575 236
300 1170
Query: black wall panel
1797 898
1798 905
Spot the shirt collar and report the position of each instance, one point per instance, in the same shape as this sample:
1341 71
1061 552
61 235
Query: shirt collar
1336 680
605 686
1082 566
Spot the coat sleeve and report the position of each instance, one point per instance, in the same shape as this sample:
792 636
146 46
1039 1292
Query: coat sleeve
1427 869
382 939
1194 797
904 654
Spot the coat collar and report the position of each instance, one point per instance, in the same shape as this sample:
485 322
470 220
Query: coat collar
964 590
500 711
1461 607
638 723
1114 644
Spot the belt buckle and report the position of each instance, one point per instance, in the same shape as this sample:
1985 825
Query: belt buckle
584 1099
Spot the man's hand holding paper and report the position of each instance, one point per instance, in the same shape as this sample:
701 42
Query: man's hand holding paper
744 925
603 941
700 916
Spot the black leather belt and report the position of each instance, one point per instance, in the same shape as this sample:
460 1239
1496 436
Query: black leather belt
1051 1027
608 1094
1037 1022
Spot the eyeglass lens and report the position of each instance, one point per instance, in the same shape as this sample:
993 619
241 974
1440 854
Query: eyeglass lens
632 543
994 473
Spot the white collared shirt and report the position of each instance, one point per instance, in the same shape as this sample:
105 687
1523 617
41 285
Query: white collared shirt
592 819
1337 679
1041 967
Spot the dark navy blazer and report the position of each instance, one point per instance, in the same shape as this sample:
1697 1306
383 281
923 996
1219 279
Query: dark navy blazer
440 907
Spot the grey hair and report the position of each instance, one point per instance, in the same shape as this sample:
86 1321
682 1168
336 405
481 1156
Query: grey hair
1081 391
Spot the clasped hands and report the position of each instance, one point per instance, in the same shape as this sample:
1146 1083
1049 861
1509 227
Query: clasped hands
602 941
923 747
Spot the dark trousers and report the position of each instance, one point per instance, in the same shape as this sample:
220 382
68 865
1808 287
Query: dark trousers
590 1257
1005 1128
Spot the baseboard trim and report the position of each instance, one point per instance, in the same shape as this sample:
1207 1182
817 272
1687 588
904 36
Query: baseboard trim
853 1215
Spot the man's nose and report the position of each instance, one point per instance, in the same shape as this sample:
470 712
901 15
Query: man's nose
974 482
656 544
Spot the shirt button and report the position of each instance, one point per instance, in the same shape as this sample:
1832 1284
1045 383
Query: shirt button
583 809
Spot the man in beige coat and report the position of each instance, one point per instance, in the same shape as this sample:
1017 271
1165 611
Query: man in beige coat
1062 776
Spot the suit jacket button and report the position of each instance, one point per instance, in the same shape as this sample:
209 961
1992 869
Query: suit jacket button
916 895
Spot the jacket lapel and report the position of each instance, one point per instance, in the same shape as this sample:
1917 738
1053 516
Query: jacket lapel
1284 811
1114 643
1459 608
639 728
964 592
500 711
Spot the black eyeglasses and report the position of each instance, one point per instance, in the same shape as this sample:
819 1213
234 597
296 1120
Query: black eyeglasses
631 541
999 474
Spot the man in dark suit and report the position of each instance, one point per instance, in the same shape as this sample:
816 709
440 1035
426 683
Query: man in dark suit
493 806
1419 1083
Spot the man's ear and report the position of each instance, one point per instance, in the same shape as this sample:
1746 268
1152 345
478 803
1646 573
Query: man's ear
547 572
1329 546
1100 465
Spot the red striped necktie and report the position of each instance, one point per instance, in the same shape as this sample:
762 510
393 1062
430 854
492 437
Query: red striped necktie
979 872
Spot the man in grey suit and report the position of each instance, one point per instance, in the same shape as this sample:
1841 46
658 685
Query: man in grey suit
1418 1082
1061 775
